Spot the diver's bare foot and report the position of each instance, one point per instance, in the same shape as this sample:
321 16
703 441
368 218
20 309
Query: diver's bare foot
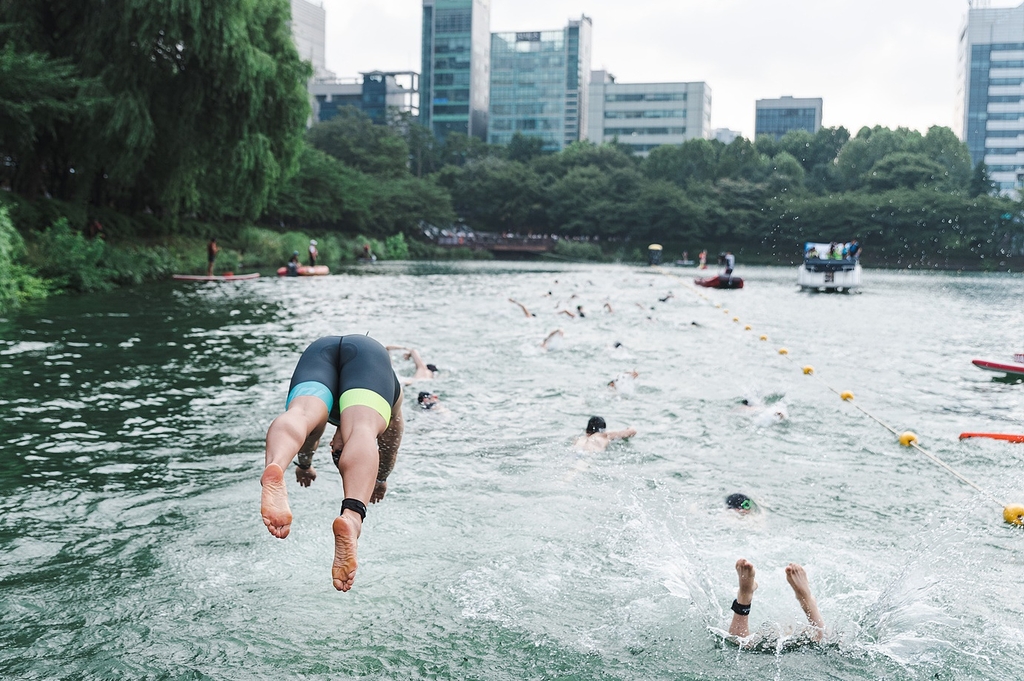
274 502
745 569
346 537
797 578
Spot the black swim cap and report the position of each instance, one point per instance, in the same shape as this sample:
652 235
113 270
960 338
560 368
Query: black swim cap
423 395
740 502
595 424
432 367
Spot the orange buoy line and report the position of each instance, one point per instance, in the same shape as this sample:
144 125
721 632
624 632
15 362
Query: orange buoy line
1012 513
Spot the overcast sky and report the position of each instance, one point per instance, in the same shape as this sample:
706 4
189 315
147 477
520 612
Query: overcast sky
874 62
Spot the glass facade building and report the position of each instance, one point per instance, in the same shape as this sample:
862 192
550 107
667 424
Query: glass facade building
539 85
644 116
990 98
456 66
776 117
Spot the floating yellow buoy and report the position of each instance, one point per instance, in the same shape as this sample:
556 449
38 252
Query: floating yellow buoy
907 438
1014 514
763 337
808 370
747 327
846 395
735 319
725 311
717 305
783 351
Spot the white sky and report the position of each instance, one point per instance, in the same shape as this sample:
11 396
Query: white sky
874 62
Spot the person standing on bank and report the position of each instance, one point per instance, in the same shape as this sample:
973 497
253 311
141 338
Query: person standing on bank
212 249
346 381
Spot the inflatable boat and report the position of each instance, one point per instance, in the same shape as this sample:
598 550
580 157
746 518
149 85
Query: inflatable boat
1013 369
719 281
306 271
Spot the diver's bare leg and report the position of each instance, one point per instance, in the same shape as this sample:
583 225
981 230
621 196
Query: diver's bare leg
358 465
744 596
797 578
286 435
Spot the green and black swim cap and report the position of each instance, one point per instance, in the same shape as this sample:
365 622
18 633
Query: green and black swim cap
739 502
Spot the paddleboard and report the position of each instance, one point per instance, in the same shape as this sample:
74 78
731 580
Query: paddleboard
994 436
1010 369
203 277
306 271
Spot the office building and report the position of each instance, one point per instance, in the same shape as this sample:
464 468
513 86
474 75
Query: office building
539 85
309 33
378 94
776 117
990 97
644 116
455 78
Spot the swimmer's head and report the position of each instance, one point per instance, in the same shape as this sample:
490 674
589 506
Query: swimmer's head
745 402
432 367
595 425
427 400
739 502
617 344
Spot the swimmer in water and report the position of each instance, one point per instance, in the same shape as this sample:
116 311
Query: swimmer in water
523 307
597 439
429 401
797 578
626 377
346 381
553 338
740 503
424 371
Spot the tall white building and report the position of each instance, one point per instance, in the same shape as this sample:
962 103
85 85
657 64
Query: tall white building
644 116
990 97
776 117
309 32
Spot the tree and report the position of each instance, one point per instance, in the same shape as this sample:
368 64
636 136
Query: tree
691 162
523 148
201 105
352 138
980 184
907 170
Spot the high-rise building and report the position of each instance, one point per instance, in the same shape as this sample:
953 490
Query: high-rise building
725 135
309 34
455 78
377 94
776 117
990 101
539 85
644 116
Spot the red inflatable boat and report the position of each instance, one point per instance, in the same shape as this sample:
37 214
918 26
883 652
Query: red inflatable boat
719 282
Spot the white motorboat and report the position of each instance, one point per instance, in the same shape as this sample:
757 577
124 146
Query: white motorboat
819 272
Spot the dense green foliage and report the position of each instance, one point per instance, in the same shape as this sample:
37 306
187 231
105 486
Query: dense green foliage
17 283
194 106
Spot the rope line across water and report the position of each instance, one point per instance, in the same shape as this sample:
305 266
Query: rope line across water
908 439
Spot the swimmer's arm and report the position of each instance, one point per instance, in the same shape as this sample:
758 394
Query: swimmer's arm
395 347
621 434
388 443
420 364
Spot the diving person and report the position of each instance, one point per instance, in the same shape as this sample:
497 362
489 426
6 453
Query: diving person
797 578
346 381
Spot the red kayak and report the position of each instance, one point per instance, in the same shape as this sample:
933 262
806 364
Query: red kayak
994 436
1010 369
225 277
306 271
719 282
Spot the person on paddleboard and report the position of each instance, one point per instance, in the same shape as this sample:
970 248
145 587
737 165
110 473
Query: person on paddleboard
346 381
212 249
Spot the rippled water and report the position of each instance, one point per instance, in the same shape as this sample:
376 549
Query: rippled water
131 430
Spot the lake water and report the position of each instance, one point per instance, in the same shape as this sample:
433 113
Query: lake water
131 431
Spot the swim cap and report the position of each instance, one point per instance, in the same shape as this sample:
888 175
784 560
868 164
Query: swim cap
740 502
595 424
432 367
423 395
